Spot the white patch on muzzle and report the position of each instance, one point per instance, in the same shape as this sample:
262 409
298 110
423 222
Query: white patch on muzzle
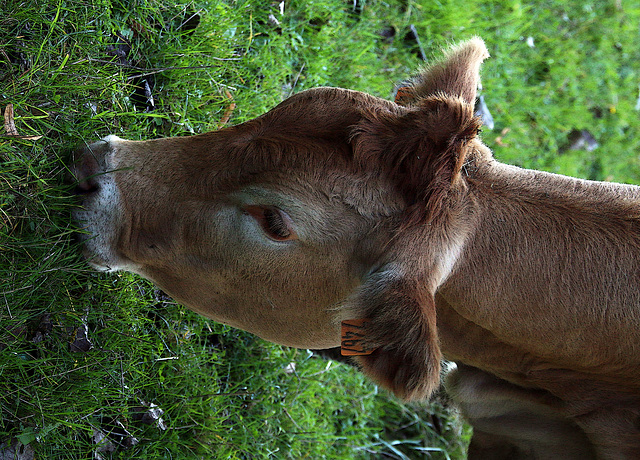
100 216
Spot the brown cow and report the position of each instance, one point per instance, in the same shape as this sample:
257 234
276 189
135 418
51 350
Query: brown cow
337 205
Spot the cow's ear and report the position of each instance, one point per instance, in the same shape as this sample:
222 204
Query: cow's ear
456 75
400 328
422 150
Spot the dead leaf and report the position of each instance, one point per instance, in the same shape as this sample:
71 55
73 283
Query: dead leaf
16 451
503 133
110 437
581 139
228 112
150 414
104 444
273 21
81 342
26 138
9 125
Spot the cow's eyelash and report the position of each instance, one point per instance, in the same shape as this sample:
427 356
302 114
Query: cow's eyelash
275 225
274 222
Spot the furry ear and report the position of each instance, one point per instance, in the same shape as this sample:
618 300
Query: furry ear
456 75
422 150
402 331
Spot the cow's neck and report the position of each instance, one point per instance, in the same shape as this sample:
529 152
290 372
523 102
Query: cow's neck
543 268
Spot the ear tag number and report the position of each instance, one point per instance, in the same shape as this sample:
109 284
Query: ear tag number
353 334
404 94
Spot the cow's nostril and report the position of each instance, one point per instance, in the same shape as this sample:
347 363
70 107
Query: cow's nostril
86 186
85 172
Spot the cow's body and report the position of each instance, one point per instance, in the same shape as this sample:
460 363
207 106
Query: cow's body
336 205
572 341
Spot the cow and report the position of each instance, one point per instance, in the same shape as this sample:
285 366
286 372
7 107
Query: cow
388 228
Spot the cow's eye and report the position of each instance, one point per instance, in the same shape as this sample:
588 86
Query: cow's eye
274 222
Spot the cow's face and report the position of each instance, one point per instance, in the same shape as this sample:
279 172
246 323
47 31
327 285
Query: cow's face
334 205
266 226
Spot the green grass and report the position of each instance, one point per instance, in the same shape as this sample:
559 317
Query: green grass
224 393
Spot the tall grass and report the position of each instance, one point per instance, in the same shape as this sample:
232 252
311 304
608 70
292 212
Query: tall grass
84 356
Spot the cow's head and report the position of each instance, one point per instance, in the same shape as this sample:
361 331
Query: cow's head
334 205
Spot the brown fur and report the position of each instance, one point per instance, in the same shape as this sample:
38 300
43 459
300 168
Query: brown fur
398 213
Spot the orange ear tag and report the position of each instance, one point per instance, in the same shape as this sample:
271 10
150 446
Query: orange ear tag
404 94
353 333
